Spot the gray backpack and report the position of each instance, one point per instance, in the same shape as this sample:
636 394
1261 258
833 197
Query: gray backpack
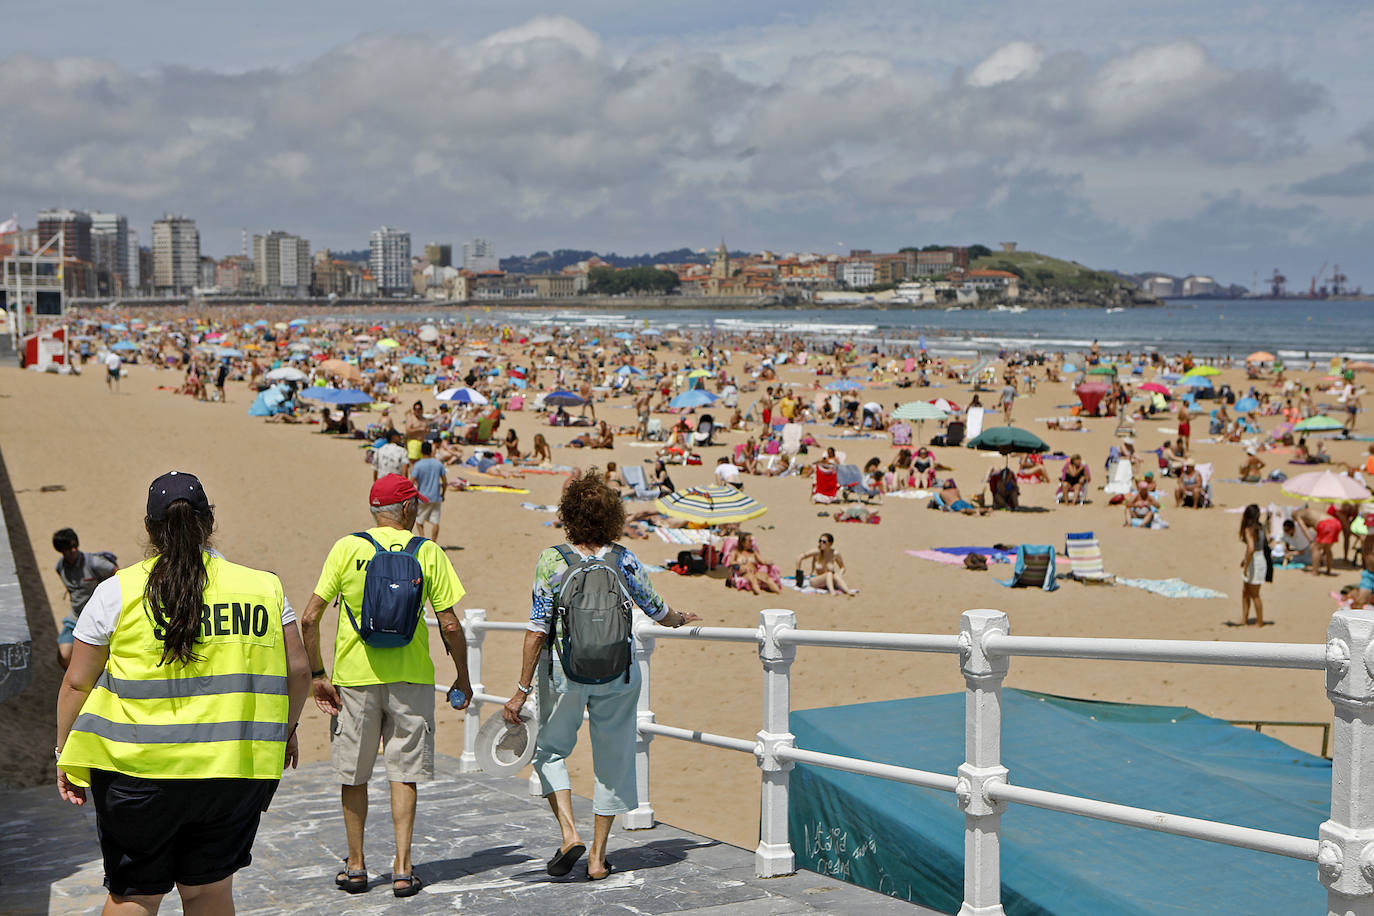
592 618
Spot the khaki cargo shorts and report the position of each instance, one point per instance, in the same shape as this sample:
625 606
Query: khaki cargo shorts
399 717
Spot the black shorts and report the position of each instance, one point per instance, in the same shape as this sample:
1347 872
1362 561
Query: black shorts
155 833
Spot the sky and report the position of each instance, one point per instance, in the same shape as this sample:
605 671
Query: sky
1226 138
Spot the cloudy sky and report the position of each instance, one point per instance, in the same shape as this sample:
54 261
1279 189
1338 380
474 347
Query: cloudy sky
1227 138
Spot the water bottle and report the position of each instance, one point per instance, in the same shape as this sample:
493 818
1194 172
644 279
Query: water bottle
456 697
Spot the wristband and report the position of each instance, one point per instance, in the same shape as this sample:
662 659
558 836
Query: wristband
525 690
319 673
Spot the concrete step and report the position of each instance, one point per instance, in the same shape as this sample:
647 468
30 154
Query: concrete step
480 846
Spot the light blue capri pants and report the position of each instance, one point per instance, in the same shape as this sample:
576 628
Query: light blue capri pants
611 712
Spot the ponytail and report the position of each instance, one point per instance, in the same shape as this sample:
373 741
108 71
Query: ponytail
176 585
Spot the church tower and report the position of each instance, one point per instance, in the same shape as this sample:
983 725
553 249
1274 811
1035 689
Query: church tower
720 268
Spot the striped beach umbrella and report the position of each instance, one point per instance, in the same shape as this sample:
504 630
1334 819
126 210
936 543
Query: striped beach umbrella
918 411
713 505
1318 424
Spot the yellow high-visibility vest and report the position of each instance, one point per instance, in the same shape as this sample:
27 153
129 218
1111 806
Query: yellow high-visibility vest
223 715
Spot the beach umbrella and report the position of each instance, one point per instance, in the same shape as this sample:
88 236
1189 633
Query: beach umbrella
692 397
844 384
629 370
281 326
1245 405
699 373
1155 387
479 354
125 345
228 352
562 398
1325 486
713 505
1260 356
541 338
946 404
388 342
1101 370
119 327
651 332
1203 370
297 322
1070 367
1195 381
919 411
286 374
1008 440
300 346
340 368
361 338
428 333
336 395
462 395
623 335
376 329
1318 424
1090 394
1361 365
412 361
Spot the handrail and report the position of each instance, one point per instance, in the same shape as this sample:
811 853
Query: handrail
982 788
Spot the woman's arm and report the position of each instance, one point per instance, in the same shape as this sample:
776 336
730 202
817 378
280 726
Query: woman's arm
87 664
529 660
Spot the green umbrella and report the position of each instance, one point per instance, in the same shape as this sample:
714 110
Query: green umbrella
1101 370
1008 439
1320 423
1203 370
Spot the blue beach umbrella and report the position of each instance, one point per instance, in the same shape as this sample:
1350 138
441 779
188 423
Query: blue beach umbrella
1070 367
693 397
844 384
228 352
1195 381
125 345
629 370
336 395
563 399
297 322
119 327
624 335
413 361
1245 405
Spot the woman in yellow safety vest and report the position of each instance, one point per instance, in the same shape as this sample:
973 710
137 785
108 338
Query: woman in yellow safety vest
178 711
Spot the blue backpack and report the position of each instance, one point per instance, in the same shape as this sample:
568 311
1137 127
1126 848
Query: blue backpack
393 594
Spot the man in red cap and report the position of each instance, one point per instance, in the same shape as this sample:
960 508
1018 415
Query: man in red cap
383 694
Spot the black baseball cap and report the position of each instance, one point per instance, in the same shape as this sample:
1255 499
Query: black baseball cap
172 486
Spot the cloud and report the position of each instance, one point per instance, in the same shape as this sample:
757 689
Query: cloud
1355 180
540 134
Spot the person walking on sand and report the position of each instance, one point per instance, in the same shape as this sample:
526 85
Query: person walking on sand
1256 566
113 367
827 567
1185 428
80 573
431 480
178 710
382 691
593 517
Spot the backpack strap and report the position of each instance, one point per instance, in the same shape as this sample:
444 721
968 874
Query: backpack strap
370 539
568 554
413 546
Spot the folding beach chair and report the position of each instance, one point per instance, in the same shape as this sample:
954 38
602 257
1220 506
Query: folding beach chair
1085 558
851 480
953 435
1119 479
1034 568
635 477
825 486
481 433
705 427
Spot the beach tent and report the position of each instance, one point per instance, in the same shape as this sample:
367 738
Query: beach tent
909 842
693 397
336 396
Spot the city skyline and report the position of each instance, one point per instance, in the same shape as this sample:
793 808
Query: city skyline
1219 145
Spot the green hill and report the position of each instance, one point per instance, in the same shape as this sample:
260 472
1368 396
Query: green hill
1039 271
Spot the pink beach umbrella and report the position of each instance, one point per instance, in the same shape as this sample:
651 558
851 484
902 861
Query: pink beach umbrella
1325 486
1155 387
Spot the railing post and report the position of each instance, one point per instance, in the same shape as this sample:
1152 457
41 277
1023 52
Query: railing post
542 682
982 766
642 817
774 855
473 633
1345 858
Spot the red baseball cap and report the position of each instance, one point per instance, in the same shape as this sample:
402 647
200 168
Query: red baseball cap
391 489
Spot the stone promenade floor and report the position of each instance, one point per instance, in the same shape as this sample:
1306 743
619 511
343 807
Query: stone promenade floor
480 845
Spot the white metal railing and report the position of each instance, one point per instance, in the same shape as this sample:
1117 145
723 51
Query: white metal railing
1343 848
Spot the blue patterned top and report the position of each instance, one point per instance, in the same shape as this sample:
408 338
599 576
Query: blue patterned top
548 573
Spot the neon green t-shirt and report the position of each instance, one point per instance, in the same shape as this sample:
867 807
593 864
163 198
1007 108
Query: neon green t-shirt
357 664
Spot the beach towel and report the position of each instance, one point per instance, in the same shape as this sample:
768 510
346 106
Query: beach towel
994 554
824 486
1034 568
538 507
496 488
936 556
1172 588
791 585
909 494
974 425
1085 557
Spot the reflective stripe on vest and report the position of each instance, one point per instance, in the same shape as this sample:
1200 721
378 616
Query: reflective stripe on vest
222 716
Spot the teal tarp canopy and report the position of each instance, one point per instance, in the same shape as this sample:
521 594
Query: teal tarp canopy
908 842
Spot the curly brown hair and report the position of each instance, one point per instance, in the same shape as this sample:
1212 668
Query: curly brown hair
591 510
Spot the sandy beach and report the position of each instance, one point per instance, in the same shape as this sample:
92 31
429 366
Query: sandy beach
284 492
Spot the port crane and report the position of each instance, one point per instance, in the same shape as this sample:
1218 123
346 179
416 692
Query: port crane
1312 291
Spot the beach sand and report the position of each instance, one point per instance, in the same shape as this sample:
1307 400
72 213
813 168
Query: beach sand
284 493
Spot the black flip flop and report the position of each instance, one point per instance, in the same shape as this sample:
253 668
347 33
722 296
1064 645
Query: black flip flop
352 880
610 870
413 885
563 862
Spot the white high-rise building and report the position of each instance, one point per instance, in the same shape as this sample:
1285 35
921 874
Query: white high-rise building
134 278
282 263
110 241
176 254
390 260
479 256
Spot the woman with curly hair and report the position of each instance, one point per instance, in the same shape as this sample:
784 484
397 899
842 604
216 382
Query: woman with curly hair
593 517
